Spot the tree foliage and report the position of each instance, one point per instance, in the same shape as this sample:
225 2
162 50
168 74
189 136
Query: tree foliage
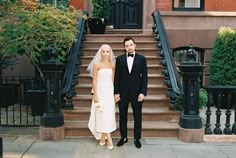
223 58
38 28
32 28
101 8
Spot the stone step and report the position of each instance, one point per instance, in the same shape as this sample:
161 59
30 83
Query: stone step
152 79
149 129
152 69
118 37
148 114
151 90
158 120
119 44
149 101
151 60
119 51
111 30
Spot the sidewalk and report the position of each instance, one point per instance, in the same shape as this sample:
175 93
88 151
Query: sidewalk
24 143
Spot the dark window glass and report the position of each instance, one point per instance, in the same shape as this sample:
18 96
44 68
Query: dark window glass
188 5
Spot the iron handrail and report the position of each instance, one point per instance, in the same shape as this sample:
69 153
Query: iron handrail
73 57
172 71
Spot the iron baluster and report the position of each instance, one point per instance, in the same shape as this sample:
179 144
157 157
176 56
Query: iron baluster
217 129
227 129
234 125
208 114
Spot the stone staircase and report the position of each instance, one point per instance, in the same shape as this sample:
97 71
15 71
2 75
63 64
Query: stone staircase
158 120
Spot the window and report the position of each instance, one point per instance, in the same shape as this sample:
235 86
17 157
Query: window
188 5
55 3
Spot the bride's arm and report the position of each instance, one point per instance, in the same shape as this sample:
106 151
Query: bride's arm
113 71
95 73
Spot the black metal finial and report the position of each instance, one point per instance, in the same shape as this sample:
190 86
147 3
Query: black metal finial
191 54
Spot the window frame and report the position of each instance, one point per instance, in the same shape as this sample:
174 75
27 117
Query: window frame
201 8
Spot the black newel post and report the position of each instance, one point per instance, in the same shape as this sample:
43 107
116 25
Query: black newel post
190 71
52 120
190 122
1 147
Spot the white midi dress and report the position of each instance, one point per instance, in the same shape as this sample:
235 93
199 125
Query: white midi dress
102 120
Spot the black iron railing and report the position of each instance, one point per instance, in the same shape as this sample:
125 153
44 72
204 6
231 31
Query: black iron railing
19 104
221 98
169 68
71 72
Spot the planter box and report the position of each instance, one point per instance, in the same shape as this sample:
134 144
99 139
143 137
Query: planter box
96 25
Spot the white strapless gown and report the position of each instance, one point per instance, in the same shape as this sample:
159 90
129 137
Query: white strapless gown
103 121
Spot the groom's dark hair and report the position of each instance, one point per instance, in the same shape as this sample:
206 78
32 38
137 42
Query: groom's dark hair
127 39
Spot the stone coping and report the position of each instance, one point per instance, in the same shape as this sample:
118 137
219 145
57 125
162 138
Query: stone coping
198 13
220 138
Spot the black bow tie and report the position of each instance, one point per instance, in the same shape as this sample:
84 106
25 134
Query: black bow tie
130 55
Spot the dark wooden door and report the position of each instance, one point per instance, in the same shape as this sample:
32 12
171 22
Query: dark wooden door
127 14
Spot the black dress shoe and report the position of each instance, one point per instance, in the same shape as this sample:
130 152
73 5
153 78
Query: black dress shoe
137 143
122 141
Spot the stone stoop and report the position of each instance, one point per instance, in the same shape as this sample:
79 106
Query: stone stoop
157 119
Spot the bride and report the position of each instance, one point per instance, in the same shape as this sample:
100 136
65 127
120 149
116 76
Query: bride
102 117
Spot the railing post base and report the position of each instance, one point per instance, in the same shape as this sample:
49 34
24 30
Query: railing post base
191 135
190 121
50 133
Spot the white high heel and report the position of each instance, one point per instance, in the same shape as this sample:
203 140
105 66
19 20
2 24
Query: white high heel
102 143
110 147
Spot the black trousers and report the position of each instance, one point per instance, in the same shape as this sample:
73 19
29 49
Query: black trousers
137 115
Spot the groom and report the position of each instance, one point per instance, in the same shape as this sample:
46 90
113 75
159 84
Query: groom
130 86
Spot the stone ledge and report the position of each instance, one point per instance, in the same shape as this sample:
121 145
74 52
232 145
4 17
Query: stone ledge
220 138
191 135
197 13
47 133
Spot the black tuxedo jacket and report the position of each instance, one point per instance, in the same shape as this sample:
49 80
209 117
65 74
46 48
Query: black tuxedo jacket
130 84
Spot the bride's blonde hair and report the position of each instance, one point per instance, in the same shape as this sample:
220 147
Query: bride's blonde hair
100 52
98 57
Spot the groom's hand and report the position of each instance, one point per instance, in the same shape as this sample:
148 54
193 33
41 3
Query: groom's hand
117 97
140 97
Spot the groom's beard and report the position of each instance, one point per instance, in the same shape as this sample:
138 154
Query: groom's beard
130 51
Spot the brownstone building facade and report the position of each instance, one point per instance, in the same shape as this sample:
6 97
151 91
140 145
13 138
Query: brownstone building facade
186 21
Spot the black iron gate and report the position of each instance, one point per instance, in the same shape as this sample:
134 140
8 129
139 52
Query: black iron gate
21 101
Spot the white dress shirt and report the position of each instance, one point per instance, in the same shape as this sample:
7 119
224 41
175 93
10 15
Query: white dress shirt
130 61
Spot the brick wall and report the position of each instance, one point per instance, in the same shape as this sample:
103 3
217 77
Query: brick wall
164 5
78 4
210 5
220 5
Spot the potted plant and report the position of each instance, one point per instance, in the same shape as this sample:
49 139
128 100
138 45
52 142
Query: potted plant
100 14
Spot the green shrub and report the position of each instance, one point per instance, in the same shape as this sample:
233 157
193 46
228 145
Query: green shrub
223 58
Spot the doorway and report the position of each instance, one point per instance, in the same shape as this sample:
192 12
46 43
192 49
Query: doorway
127 14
